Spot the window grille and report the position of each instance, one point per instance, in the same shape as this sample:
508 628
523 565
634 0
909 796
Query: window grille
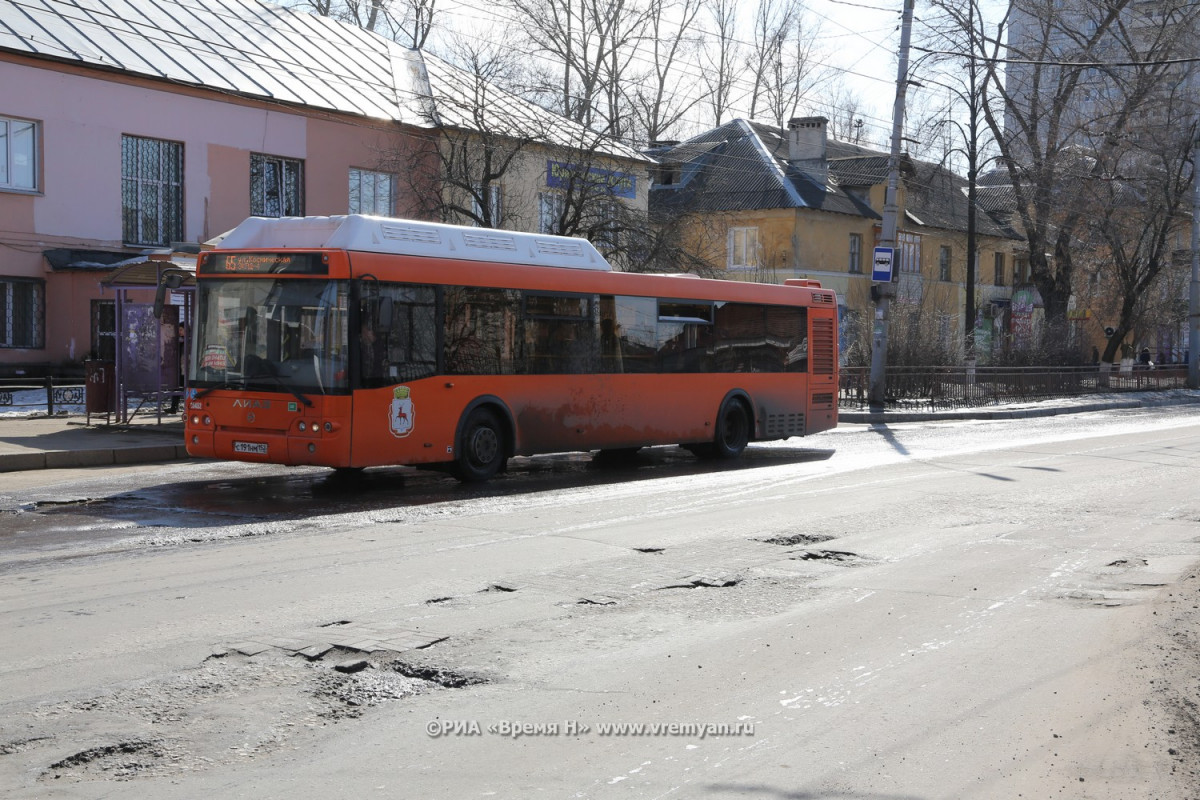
151 191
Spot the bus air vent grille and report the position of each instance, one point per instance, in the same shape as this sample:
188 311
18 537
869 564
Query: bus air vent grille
779 425
553 248
822 298
490 241
404 233
822 347
823 399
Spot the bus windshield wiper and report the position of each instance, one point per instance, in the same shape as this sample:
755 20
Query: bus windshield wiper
210 389
268 369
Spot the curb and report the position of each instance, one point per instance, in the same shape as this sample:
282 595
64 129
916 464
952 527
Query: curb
70 459
885 417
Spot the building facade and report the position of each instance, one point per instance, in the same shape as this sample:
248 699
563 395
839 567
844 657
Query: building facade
767 205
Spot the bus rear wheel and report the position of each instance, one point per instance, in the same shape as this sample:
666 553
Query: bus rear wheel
481 451
732 436
733 430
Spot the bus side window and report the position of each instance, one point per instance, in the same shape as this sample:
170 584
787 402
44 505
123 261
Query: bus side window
559 335
480 329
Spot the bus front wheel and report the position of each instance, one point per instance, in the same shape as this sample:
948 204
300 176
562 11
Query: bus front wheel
481 451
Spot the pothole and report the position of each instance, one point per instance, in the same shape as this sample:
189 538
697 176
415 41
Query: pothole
446 678
17 745
112 759
837 556
651 550
231 710
1128 562
500 587
706 582
797 538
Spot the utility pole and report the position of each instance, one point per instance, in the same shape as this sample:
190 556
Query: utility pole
1193 351
972 178
877 393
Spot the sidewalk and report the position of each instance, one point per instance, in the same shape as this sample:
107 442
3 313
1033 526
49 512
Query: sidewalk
64 442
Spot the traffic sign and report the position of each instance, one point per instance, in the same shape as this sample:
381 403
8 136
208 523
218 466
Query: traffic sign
881 270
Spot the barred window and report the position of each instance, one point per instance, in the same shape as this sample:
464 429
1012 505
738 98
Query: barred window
22 313
18 154
276 186
151 190
372 192
944 263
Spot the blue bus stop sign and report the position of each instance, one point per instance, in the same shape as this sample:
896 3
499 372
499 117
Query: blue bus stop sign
881 270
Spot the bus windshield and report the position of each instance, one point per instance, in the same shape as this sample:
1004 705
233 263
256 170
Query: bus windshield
272 335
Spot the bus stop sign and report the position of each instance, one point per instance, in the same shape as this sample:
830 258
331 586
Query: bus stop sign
881 271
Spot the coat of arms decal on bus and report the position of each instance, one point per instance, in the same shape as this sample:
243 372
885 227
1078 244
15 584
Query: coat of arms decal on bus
400 417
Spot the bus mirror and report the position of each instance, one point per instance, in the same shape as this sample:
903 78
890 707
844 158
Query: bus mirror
168 281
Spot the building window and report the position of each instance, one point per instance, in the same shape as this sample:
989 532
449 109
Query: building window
908 252
743 248
18 154
550 210
151 191
944 263
372 192
22 313
856 253
104 330
1020 271
492 198
276 186
999 277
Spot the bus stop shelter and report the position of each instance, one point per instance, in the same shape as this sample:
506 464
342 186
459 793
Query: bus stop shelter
153 338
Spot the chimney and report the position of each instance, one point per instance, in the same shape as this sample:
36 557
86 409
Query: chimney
806 146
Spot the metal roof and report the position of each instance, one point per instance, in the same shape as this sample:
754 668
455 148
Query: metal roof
256 49
242 46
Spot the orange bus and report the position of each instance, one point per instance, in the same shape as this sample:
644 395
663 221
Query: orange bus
357 341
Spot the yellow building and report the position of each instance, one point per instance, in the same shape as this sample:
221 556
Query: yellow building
765 204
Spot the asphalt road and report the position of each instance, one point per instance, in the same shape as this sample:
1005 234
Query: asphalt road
949 610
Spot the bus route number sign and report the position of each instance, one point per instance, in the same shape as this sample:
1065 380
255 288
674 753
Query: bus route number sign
881 266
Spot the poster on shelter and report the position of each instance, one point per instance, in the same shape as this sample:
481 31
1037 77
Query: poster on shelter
149 349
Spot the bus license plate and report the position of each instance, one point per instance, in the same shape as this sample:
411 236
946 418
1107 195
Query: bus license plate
257 448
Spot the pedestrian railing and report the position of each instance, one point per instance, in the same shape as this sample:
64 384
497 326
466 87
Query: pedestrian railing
48 395
953 387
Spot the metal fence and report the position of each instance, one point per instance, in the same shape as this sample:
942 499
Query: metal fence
954 387
41 396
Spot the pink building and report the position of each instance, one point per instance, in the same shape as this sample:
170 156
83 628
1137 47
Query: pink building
121 137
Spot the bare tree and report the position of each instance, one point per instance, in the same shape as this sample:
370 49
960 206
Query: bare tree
721 57
781 60
589 45
482 133
656 105
408 22
1141 210
1043 119
846 112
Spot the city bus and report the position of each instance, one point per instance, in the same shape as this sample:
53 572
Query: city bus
357 341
